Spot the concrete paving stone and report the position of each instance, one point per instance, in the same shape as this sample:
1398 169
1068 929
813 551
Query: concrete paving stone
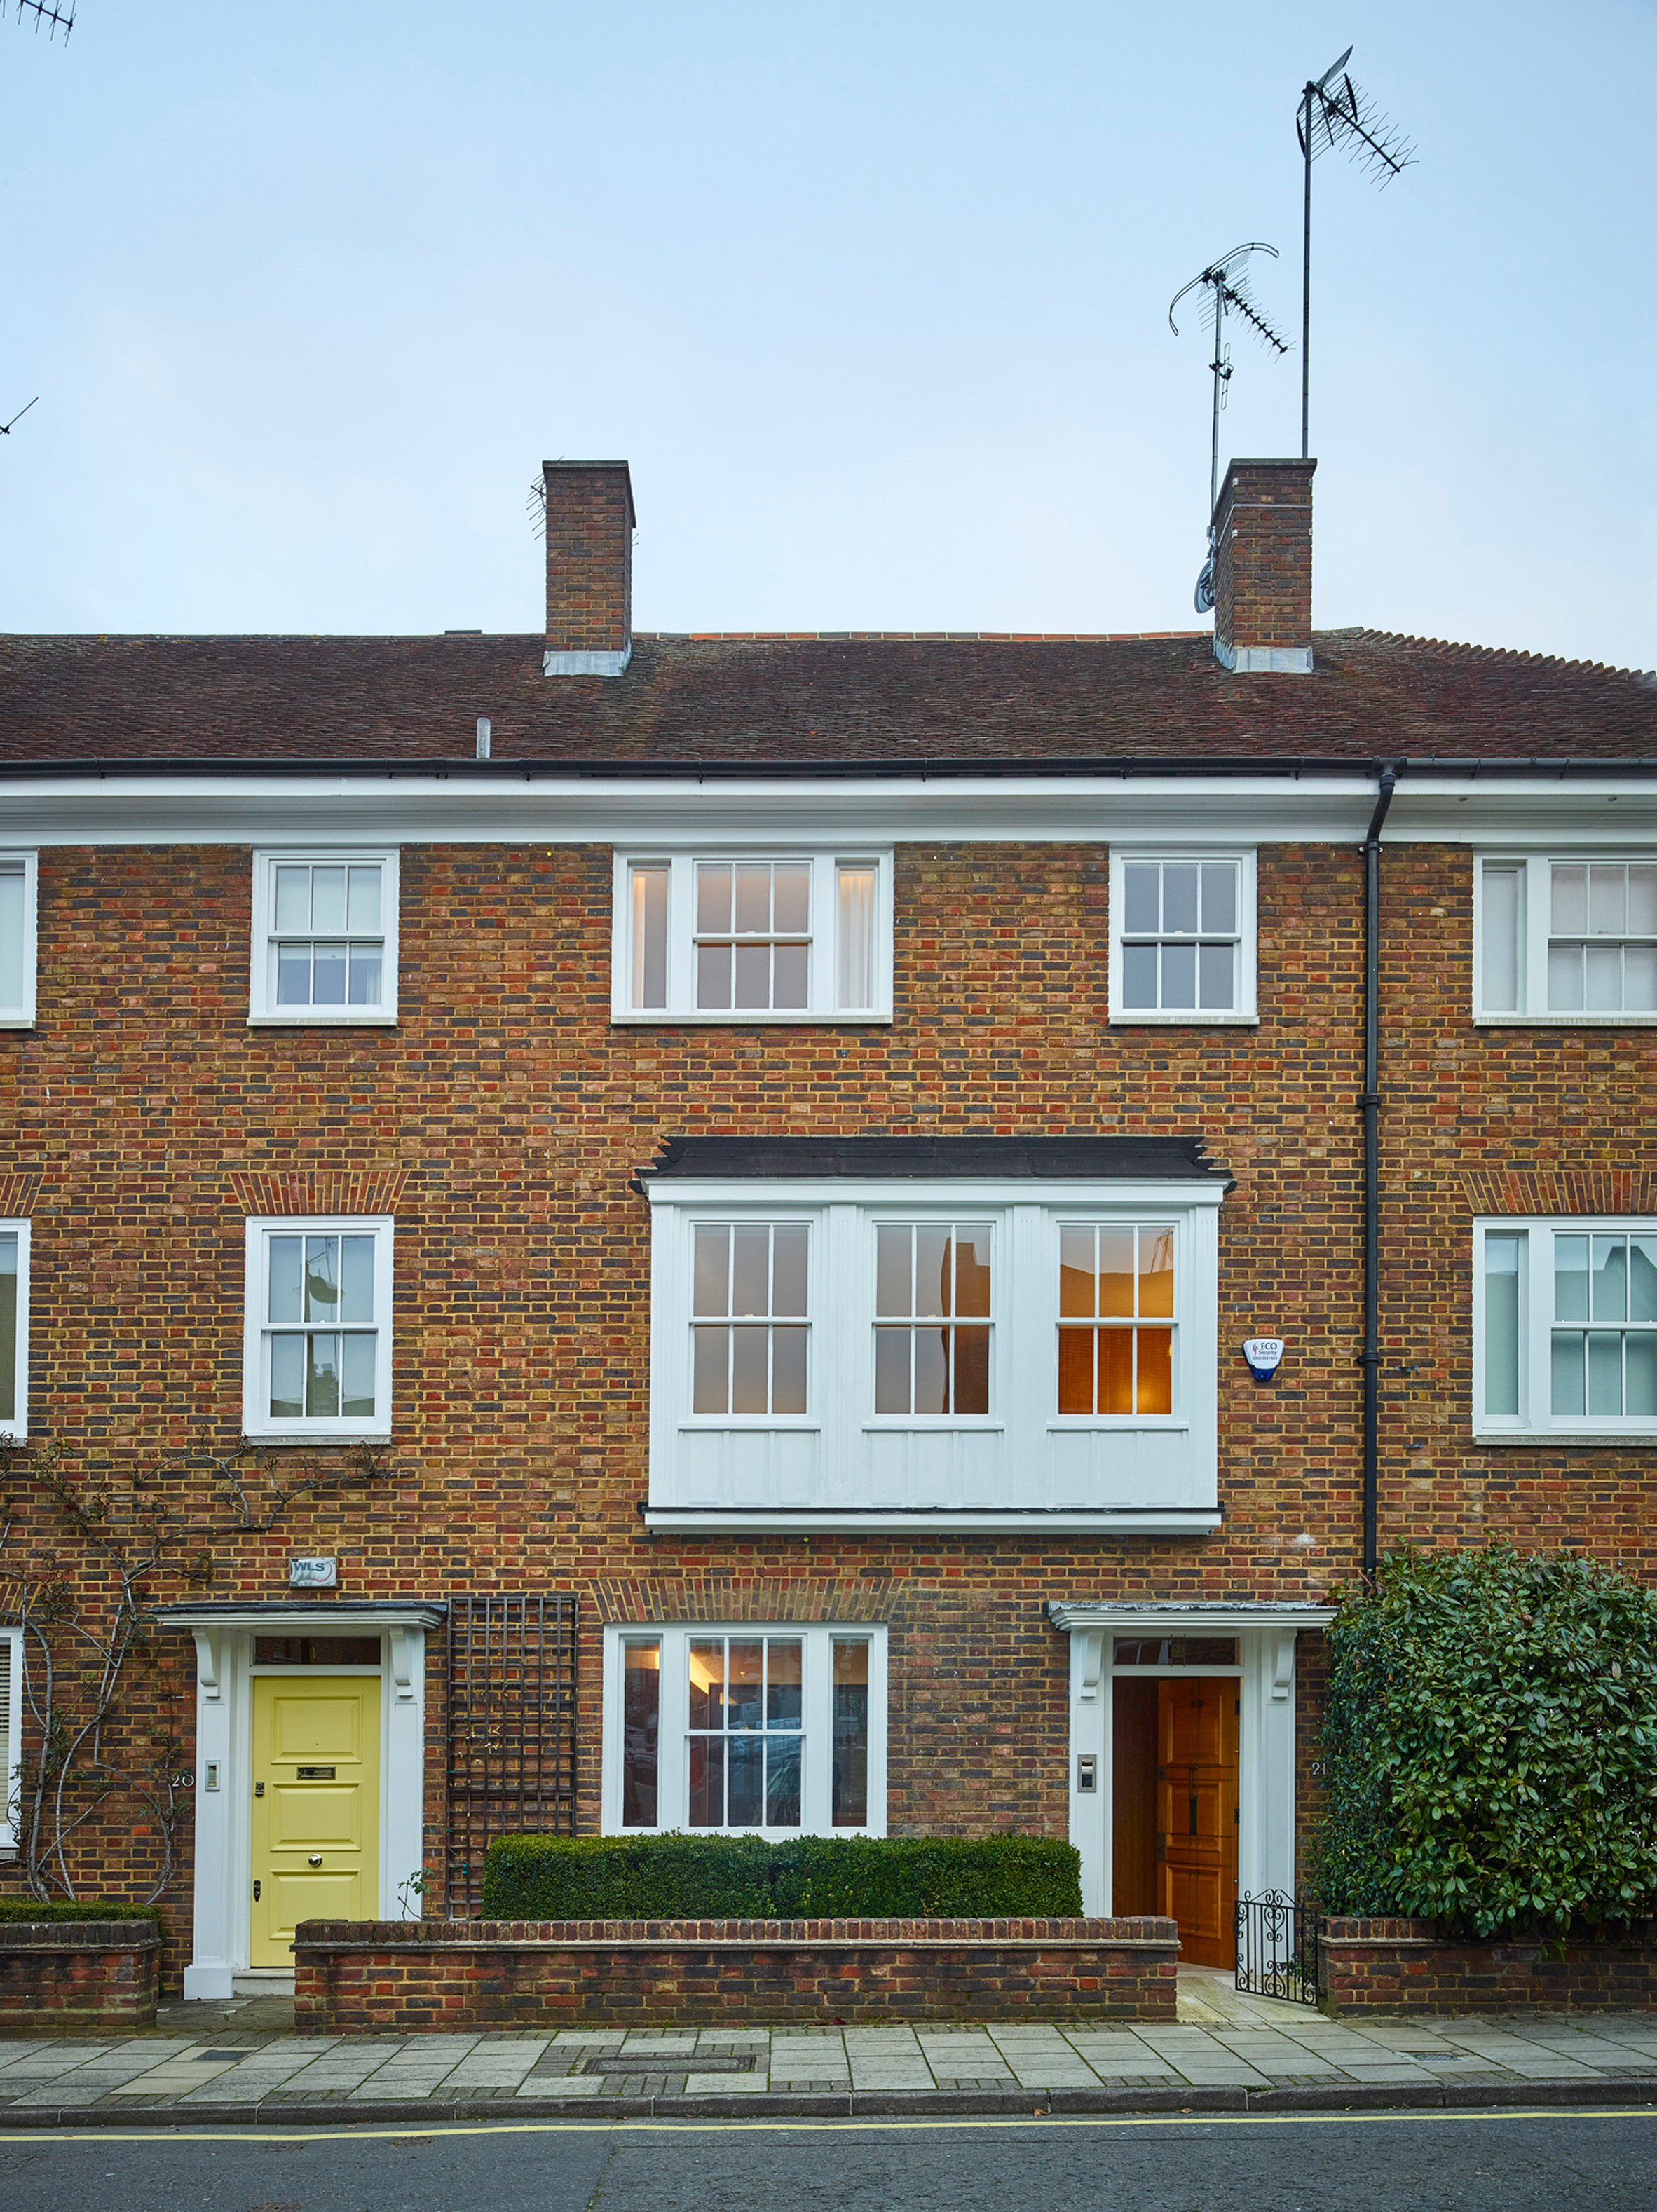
574 2085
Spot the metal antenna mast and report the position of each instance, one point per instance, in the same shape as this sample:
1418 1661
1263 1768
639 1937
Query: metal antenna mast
1333 111
1226 286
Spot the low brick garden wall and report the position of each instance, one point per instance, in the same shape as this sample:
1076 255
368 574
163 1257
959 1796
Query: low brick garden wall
75 1975
407 1975
1402 1965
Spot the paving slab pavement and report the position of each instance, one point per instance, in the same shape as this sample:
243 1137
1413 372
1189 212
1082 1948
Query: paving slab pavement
241 2057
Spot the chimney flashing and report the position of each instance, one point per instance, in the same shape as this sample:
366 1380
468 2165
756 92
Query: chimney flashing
588 663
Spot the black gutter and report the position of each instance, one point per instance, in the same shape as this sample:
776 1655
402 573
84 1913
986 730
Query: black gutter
1104 766
1369 1104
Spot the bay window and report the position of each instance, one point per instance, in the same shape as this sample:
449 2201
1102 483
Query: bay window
775 1728
858 1350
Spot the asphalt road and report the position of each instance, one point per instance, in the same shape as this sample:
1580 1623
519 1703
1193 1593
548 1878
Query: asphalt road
1379 2163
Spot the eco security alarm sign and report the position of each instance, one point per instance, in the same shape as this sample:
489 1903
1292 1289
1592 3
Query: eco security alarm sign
313 1574
1264 1355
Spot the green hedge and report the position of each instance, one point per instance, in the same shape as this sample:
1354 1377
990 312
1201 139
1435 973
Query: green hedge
1491 1744
677 1877
90 1908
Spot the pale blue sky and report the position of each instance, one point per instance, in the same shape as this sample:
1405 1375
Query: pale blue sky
872 297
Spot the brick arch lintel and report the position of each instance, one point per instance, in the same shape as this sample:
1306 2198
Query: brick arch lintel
264 1193
1559 1191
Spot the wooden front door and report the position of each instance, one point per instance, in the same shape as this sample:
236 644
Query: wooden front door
1196 1730
316 1806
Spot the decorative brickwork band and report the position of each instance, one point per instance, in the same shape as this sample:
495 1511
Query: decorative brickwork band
322 1191
1548 1192
18 1189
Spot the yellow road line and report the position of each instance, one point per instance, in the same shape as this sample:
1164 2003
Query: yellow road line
279 2134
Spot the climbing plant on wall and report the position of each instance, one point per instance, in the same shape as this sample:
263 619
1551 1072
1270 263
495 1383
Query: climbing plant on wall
1491 1743
83 1558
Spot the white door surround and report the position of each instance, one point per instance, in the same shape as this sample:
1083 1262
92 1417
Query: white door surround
1264 1634
224 1636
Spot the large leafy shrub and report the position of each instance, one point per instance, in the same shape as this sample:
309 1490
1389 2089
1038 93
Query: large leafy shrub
1491 1744
677 1877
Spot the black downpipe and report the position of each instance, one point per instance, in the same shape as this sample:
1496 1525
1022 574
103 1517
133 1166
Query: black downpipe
1370 1105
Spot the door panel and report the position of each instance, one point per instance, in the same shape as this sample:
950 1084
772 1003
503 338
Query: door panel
316 1833
1197 1734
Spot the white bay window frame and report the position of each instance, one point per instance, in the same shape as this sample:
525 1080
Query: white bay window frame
257 1422
1512 913
677 991
675 1639
1244 1010
1020 1463
19 925
263 1009
1534 1419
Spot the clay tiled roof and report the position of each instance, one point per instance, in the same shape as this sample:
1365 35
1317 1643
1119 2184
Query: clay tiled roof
806 702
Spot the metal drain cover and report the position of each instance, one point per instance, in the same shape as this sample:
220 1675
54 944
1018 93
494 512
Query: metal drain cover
638 2061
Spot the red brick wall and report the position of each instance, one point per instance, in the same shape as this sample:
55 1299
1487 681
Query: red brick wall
352 1977
1398 1965
507 1116
77 1975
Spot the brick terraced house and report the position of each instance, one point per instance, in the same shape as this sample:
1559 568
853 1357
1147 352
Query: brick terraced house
765 1152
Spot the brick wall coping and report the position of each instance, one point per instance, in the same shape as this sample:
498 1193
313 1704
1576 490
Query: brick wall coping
424 1935
1360 1934
79 1935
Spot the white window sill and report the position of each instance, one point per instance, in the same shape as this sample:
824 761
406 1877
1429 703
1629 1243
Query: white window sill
1573 1436
933 1520
787 1018
1184 1021
313 1018
14 1432
17 1021
260 1438
1552 1021
1117 1425
747 1425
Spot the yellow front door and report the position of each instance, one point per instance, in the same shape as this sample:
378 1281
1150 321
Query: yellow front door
316 1805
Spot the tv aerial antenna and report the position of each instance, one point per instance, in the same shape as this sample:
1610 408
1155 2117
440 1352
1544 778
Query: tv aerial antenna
5 428
54 16
1333 113
1224 284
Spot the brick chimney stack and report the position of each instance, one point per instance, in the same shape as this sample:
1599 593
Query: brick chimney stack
1263 567
590 523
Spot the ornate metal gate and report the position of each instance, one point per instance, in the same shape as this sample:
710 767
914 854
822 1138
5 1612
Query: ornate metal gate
512 1730
1279 1948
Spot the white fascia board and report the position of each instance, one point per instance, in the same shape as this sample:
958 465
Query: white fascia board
1203 1613
806 1521
909 1192
666 812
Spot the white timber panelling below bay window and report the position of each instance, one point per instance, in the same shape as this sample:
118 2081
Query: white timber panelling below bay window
777 936
935 1355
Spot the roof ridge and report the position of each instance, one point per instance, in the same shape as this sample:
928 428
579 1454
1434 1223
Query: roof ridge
915 636
1512 653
